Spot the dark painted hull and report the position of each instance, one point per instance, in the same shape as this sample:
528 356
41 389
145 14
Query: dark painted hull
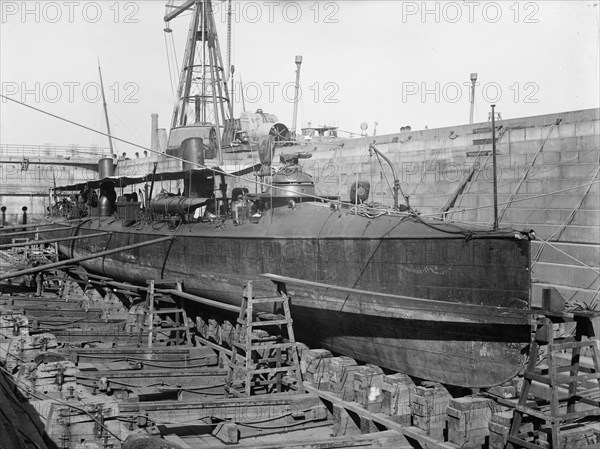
383 258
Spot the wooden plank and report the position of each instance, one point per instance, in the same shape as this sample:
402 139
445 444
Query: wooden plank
175 439
502 315
410 432
214 346
388 438
201 300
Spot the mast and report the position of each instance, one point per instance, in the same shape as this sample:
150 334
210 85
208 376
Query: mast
229 68
110 144
202 96
494 166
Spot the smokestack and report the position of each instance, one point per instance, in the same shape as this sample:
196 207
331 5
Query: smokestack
154 133
298 65
162 140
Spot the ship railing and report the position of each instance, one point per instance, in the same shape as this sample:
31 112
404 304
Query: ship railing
27 151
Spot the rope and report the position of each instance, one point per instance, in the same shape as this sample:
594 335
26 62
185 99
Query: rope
217 170
547 242
571 216
522 199
169 64
524 177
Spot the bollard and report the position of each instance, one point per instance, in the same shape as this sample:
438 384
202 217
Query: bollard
24 208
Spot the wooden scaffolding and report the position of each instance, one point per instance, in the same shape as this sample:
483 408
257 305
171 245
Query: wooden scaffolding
261 362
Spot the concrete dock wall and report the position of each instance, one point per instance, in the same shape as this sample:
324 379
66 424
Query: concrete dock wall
547 171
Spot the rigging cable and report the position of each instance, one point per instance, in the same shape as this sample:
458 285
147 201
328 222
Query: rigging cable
217 170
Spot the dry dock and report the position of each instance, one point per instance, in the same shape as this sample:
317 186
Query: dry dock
94 363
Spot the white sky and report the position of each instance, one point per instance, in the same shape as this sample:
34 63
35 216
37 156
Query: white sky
364 61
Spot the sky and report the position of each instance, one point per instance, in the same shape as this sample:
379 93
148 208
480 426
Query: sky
394 63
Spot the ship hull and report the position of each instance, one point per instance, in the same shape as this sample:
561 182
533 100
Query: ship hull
376 261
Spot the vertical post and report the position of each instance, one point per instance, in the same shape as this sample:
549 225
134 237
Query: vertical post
229 66
472 99
150 312
295 117
494 167
154 133
249 319
110 143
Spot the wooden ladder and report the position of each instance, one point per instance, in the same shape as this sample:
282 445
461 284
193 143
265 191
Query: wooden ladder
263 363
180 329
556 376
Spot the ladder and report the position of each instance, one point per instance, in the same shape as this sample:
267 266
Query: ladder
566 408
178 330
259 361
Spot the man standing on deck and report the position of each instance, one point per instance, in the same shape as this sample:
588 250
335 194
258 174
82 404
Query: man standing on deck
39 282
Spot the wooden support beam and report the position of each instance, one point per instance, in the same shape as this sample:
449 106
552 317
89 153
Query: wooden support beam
413 308
56 240
379 418
51 266
388 438
201 300
214 346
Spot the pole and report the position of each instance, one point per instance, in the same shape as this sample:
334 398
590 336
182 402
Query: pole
110 144
295 117
56 240
494 167
242 94
51 266
473 81
229 69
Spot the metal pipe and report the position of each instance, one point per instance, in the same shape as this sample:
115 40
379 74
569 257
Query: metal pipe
396 180
56 240
51 266
295 117
494 167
